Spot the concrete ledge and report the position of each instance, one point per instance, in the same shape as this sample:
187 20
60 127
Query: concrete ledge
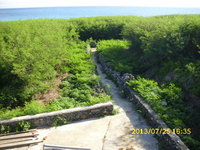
171 141
74 114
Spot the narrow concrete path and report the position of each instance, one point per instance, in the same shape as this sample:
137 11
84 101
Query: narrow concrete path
108 133
120 126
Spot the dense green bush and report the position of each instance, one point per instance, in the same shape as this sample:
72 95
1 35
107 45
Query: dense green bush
21 126
178 113
167 101
160 39
33 54
101 28
156 95
116 52
165 49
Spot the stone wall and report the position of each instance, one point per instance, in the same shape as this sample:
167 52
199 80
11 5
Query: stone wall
171 141
74 114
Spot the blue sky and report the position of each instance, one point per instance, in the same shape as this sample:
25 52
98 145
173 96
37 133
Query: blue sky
55 3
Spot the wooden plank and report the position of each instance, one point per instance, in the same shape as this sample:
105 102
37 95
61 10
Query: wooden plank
12 145
18 136
14 133
16 140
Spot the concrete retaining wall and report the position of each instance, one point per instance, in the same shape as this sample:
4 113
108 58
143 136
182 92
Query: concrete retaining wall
74 114
171 141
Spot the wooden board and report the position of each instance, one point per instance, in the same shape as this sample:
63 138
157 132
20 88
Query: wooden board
18 136
13 140
15 133
23 143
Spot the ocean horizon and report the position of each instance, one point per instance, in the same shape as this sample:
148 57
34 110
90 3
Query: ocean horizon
11 14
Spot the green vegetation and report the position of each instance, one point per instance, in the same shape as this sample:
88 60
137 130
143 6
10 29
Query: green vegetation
166 51
116 53
115 111
101 28
34 54
59 121
162 51
167 101
21 126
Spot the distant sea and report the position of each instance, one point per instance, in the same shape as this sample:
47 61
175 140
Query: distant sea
75 12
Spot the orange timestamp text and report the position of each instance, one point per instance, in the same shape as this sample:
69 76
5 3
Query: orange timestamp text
161 131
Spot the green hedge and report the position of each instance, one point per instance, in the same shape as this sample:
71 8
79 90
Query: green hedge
158 39
167 101
33 54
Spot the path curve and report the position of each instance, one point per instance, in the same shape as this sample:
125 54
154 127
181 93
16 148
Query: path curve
118 134
107 133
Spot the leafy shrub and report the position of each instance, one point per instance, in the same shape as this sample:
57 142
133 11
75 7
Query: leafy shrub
33 107
173 112
21 126
155 95
31 57
159 39
34 52
59 121
101 28
116 52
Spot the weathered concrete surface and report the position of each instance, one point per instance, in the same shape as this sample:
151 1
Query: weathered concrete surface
108 133
87 134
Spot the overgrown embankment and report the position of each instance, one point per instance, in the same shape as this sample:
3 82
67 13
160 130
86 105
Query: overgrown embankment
165 49
163 52
34 54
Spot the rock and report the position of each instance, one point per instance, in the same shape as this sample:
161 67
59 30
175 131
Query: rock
127 77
